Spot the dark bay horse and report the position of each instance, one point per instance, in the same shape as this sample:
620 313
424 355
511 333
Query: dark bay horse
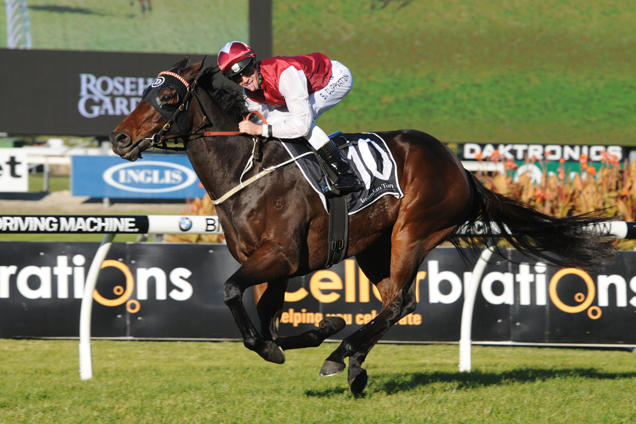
276 228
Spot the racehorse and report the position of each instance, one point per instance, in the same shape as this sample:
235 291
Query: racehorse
145 5
277 227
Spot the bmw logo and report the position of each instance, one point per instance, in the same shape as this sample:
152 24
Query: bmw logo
157 82
185 224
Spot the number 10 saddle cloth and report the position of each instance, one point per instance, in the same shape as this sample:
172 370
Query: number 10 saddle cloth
369 157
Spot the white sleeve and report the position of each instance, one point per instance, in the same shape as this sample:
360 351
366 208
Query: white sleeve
253 106
293 86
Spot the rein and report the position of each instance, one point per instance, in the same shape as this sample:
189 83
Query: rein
228 133
158 139
250 162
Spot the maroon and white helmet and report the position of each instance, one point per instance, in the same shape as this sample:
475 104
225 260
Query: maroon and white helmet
234 57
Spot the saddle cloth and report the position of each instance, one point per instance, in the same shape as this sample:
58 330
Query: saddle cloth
369 157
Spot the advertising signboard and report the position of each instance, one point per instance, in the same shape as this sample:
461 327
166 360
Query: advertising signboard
14 171
155 176
175 291
540 152
533 159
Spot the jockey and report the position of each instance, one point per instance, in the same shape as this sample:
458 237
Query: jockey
300 89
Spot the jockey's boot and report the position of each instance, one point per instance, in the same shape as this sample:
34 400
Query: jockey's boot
343 180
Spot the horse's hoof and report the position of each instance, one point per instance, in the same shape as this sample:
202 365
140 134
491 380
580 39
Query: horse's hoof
332 324
272 352
359 382
330 368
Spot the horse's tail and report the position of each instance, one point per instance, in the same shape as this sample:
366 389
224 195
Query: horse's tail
536 234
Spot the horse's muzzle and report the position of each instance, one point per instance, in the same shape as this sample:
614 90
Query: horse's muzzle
121 144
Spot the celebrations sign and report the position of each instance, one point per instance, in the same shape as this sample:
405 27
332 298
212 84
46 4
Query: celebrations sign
175 291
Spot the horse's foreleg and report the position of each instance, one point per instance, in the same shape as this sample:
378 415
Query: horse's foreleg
268 263
270 301
313 338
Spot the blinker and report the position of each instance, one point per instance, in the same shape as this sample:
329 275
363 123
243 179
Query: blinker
169 79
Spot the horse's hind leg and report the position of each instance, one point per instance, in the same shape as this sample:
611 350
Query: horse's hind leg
269 305
398 299
375 262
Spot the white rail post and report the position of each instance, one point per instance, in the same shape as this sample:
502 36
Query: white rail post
470 293
612 229
85 354
18 27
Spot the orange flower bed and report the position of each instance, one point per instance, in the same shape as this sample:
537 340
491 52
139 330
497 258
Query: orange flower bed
611 190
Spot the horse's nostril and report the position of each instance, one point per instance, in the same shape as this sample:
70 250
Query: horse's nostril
122 139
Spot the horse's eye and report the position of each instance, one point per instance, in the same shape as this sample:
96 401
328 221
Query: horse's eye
168 98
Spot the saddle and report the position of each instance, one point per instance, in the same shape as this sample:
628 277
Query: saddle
373 163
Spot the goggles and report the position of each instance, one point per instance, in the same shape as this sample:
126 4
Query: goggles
247 71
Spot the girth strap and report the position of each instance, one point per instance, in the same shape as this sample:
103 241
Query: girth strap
338 230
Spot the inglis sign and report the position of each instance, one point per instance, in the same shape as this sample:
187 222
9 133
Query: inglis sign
156 176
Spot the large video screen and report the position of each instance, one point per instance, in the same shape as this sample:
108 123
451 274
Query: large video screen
149 26
79 67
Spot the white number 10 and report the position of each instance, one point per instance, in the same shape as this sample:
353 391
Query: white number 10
369 161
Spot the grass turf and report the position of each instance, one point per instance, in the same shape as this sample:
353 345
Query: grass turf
541 71
192 382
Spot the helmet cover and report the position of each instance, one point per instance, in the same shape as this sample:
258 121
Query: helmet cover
232 58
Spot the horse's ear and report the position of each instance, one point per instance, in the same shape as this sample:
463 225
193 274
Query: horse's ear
182 63
193 70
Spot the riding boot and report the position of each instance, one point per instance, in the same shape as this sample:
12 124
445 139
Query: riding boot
342 178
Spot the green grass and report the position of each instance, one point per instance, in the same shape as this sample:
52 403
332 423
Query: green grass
155 382
543 71
56 182
106 25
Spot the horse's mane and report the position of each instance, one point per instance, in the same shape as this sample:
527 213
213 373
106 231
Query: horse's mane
227 96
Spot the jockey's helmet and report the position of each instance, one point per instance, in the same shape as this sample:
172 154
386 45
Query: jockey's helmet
235 58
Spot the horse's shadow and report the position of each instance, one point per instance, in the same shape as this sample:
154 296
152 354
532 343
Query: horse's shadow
390 383
66 9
